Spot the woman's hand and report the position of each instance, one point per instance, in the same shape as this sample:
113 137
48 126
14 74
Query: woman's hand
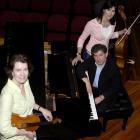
46 113
127 31
76 59
31 135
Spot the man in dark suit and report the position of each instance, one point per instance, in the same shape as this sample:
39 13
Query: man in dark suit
101 76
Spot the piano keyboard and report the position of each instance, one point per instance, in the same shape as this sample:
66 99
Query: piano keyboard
93 115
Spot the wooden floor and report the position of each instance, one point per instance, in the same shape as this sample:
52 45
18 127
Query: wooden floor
132 132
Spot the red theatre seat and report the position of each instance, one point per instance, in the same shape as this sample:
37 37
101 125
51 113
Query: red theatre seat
6 17
19 4
77 26
40 5
34 17
2 4
82 7
61 6
57 27
9 16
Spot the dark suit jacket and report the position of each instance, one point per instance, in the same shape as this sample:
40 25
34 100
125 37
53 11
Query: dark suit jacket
109 80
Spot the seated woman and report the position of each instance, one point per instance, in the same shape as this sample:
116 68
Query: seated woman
17 97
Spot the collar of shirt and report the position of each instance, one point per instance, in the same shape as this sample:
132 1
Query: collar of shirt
100 66
14 86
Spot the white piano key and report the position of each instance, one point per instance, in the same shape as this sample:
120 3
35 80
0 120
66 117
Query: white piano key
93 115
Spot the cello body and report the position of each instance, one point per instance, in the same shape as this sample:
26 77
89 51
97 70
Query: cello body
29 123
121 47
121 54
121 50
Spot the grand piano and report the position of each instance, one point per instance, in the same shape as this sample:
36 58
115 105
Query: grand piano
72 103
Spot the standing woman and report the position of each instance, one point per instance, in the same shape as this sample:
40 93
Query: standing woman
17 97
100 29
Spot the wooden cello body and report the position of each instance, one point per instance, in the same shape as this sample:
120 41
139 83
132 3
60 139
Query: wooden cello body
121 55
121 46
121 50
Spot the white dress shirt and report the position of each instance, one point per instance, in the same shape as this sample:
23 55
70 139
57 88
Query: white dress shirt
97 74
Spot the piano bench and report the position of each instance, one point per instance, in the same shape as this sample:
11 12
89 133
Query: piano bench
122 109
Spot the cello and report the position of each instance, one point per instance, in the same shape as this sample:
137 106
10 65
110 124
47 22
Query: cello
121 51
120 45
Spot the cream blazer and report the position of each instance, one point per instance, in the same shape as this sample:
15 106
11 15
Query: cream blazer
12 101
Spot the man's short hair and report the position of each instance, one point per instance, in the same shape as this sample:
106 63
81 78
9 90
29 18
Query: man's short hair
98 47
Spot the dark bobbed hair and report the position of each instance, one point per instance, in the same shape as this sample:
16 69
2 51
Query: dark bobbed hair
98 47
18 58
107 5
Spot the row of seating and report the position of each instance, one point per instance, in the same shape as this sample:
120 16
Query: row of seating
63 19
57 27
60 29
56 6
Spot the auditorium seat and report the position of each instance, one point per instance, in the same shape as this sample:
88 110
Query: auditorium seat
6 17
61 6
82 7
19 4
77 26
55 37
9 16
34 17
56 28
2 4
40 5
